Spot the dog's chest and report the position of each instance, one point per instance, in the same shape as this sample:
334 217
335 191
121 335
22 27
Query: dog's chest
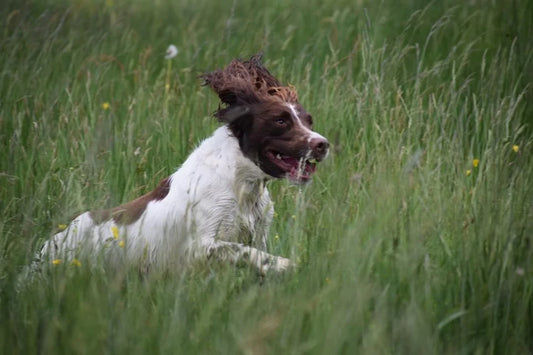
251 220
249 216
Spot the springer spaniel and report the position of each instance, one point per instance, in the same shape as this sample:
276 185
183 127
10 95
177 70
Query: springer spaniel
217 204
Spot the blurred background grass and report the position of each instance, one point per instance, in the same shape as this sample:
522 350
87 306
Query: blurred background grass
404 245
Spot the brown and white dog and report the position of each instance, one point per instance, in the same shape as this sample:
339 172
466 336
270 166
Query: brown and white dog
216 205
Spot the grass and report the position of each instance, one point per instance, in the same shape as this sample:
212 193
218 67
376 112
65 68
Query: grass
403 245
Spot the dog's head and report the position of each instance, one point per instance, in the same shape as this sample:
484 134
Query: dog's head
272 128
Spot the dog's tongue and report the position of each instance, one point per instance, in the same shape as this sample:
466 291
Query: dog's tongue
295 163
300 169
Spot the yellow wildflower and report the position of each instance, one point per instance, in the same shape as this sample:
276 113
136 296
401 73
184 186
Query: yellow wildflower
106 106
475 163
56 262
121 244
114 229
167 86
76 262
61 227
515 148
468 172
276 236
293 217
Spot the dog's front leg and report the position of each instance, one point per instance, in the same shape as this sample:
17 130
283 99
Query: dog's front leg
239 253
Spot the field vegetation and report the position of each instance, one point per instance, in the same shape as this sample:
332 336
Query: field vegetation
415 237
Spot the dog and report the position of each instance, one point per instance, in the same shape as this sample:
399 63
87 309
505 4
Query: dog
216 205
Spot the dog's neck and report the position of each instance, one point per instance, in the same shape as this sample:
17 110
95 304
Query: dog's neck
221 159
249 180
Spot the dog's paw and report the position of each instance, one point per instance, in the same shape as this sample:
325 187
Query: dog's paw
277 264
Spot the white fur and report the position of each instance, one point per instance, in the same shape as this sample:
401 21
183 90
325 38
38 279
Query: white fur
217 206
310 133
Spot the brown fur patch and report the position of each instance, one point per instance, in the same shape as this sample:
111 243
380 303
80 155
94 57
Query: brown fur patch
246 83
130 212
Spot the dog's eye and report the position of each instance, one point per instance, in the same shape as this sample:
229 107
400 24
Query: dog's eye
281 122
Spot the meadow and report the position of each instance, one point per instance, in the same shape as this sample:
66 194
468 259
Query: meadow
415 237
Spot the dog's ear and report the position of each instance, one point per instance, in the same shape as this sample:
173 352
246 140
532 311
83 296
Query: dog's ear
233 90
231 114
248 82
237 118
241 82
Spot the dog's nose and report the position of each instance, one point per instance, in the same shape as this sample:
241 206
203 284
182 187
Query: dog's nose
319 146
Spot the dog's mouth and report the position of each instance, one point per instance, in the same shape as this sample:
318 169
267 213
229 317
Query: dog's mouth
296 169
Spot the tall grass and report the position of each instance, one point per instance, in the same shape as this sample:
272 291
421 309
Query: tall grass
403 245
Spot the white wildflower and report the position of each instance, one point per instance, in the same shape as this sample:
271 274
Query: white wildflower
172 51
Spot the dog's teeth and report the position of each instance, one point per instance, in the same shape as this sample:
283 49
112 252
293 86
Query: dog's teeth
278 156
